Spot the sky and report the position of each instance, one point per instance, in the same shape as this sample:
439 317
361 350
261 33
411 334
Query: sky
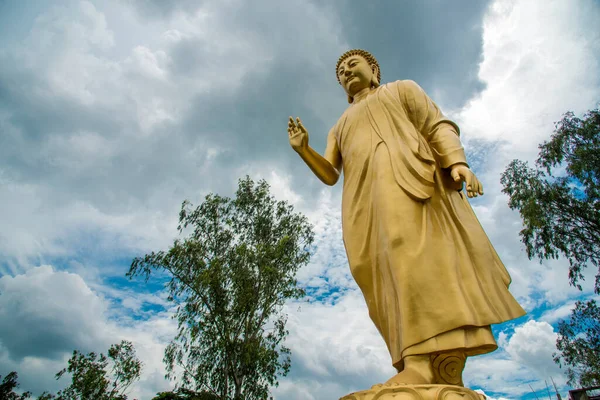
113 112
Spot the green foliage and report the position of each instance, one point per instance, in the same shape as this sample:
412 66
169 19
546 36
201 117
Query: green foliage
8 385
231 276
561 213
579 345
168 396
561 216
92 380
46 396
185 394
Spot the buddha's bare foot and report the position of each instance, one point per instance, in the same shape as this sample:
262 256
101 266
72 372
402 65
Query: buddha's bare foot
417 370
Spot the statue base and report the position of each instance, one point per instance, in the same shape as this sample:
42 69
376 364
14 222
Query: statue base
415 392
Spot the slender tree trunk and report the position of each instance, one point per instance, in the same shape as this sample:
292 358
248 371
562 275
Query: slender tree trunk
238 388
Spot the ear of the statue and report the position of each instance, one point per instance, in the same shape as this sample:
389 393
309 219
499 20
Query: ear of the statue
374 81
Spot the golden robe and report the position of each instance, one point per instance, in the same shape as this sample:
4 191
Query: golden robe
431 279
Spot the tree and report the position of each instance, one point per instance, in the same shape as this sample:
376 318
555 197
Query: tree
559 202
579 344
185 394
9 383
92 380
561 214
231 276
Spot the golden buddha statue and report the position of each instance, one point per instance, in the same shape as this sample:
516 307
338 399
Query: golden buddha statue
431 279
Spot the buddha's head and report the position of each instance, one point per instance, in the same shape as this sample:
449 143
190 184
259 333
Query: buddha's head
356 70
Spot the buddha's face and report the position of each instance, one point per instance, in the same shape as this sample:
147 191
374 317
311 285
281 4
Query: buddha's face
355 74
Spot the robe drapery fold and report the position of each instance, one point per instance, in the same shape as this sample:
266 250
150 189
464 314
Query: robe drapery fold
429 274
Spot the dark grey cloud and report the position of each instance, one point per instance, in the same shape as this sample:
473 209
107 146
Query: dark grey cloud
35 146
249 122
436 43
301 42
261 62
31 119
254 120
299 79
38 317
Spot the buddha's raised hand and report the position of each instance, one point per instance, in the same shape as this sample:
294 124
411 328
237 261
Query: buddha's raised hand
298 135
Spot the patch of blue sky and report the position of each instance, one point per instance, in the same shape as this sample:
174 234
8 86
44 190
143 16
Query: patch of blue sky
156 281
152 308
8 266
577 188
134 306
145 312
325 293
478 153
539 311
537 297
508 328
134 299
141 298
111 270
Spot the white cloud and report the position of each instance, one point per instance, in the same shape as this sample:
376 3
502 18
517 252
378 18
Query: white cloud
68 38
280 185
335 350
39 224
532 345
554 315
46 314
540 59
523 361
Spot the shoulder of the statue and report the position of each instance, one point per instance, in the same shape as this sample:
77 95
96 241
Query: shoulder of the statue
404 91
404 85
